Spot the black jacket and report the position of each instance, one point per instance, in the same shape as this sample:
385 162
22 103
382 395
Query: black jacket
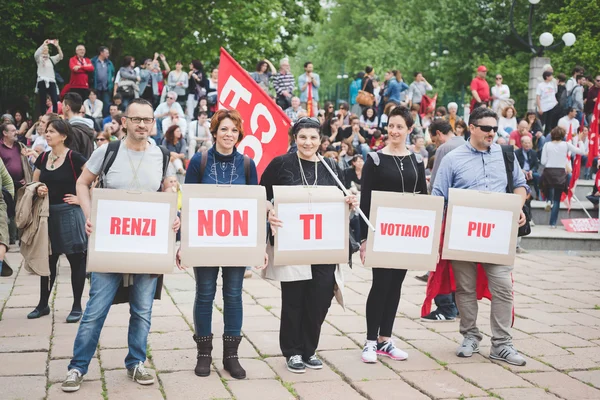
532 158
83 139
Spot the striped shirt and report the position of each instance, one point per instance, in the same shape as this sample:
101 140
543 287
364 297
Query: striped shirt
283 82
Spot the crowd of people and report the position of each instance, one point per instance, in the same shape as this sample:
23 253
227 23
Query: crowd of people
161 124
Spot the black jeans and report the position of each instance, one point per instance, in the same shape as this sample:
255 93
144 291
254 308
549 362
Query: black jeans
304 306
43 92
383 300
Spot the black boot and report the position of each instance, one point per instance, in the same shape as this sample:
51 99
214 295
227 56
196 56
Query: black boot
204 344
230 356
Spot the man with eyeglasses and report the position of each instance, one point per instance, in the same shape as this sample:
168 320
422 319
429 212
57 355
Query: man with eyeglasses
138 165
479 165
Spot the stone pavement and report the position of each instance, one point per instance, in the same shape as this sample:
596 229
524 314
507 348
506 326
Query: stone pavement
557 326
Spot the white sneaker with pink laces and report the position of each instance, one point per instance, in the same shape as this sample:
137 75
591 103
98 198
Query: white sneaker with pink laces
388 349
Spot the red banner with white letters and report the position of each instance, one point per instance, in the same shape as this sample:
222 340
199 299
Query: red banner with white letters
265 124
580 224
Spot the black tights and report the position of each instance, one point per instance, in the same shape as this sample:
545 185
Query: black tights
383 300
77 262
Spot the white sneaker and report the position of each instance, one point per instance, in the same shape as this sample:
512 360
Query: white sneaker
369 353
388 349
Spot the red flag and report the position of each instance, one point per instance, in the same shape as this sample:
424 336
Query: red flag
565 196
573 182
427 104
593 151
309 101
569 139
265 124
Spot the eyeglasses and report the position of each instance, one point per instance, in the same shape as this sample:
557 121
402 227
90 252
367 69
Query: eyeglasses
498 78
137 120
100 139
172 98
487 128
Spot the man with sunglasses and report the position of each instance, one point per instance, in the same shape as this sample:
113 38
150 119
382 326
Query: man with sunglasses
479 165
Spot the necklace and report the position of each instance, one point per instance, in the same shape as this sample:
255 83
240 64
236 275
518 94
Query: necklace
304 181
53 158
134 179
217 172
401 168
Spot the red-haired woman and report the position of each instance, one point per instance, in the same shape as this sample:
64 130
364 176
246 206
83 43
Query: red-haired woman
175 143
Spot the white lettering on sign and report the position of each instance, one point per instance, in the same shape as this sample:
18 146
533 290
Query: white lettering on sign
132 227
217 222
480 230
311 226
239 92
403 230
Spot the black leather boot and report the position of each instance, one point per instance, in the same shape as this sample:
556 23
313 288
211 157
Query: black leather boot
204 344
230 357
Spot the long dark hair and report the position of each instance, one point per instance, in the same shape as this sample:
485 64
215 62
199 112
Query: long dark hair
170 135
366 118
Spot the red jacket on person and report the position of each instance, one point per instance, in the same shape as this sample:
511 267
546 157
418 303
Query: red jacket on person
79 78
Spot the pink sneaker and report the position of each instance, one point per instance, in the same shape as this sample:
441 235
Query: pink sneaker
389 350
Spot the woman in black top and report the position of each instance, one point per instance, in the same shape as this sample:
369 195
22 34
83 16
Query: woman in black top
59 169
393 169
306 293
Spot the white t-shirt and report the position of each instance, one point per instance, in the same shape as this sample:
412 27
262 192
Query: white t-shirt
202 133
164 108
565 123
120 174
547 93
502 93
166 124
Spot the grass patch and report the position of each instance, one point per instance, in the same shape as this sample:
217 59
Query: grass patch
596 307
290 388
268 308
364 380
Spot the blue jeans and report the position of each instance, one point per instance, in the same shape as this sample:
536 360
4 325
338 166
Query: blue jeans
105 97
103 288
556 195
363 149
445 303
206 287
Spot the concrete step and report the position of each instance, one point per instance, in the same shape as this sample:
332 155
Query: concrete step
542 217
583 188
544 238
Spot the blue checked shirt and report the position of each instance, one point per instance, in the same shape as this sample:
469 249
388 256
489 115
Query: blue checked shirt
468 168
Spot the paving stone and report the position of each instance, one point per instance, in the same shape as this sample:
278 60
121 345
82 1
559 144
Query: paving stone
279 366
348 363
544 317
259 389
21 326
390 390
564 340
171 341
117 320
14 364
522 394
23 387
174 360
335 342
62 328
489 376
261 324
246 350
442 384
90 390
113 338
25 301
537 347
416 334
569 362
120 387
115 358
62 347
267 343
444 350
563 385
327 391
417 361
349 324
169 324
592 377
16 344
531 326
255 369
58 370
531 366
186 385
593 353
257 311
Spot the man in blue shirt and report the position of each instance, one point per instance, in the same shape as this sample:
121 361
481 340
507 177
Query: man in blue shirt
104 75
479 165
309 78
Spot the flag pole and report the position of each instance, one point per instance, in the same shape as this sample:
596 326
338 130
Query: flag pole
582 207
341 185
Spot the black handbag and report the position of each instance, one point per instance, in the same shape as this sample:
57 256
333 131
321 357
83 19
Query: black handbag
508 152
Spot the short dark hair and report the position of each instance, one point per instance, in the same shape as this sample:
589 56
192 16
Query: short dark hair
547 74
557 133
578 69
571 109
306 64
93 91
113 105
439 125
306 123
418 73
481 113
4 127
561 77
74 101
61 126
101 49
197 64
260 64
117 96
403 112
203 113
139 101
368 69
344 105
127 60
579 77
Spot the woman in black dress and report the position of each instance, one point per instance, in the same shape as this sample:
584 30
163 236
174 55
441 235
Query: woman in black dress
393 169
306 293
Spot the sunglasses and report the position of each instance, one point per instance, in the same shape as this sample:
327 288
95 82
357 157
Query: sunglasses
487 128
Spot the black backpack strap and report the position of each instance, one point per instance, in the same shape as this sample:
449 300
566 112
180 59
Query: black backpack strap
247 168
109 158
203 160
166 158
508 153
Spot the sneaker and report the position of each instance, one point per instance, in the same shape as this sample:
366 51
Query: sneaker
140 375
521 250
423 278
469 346
73 381
507 353
313 362
437 316
388 349
296 365
548 206
369 353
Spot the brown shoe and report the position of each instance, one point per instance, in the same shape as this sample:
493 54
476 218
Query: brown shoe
204 358
231 362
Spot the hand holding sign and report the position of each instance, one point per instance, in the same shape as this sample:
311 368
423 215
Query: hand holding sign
522 219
